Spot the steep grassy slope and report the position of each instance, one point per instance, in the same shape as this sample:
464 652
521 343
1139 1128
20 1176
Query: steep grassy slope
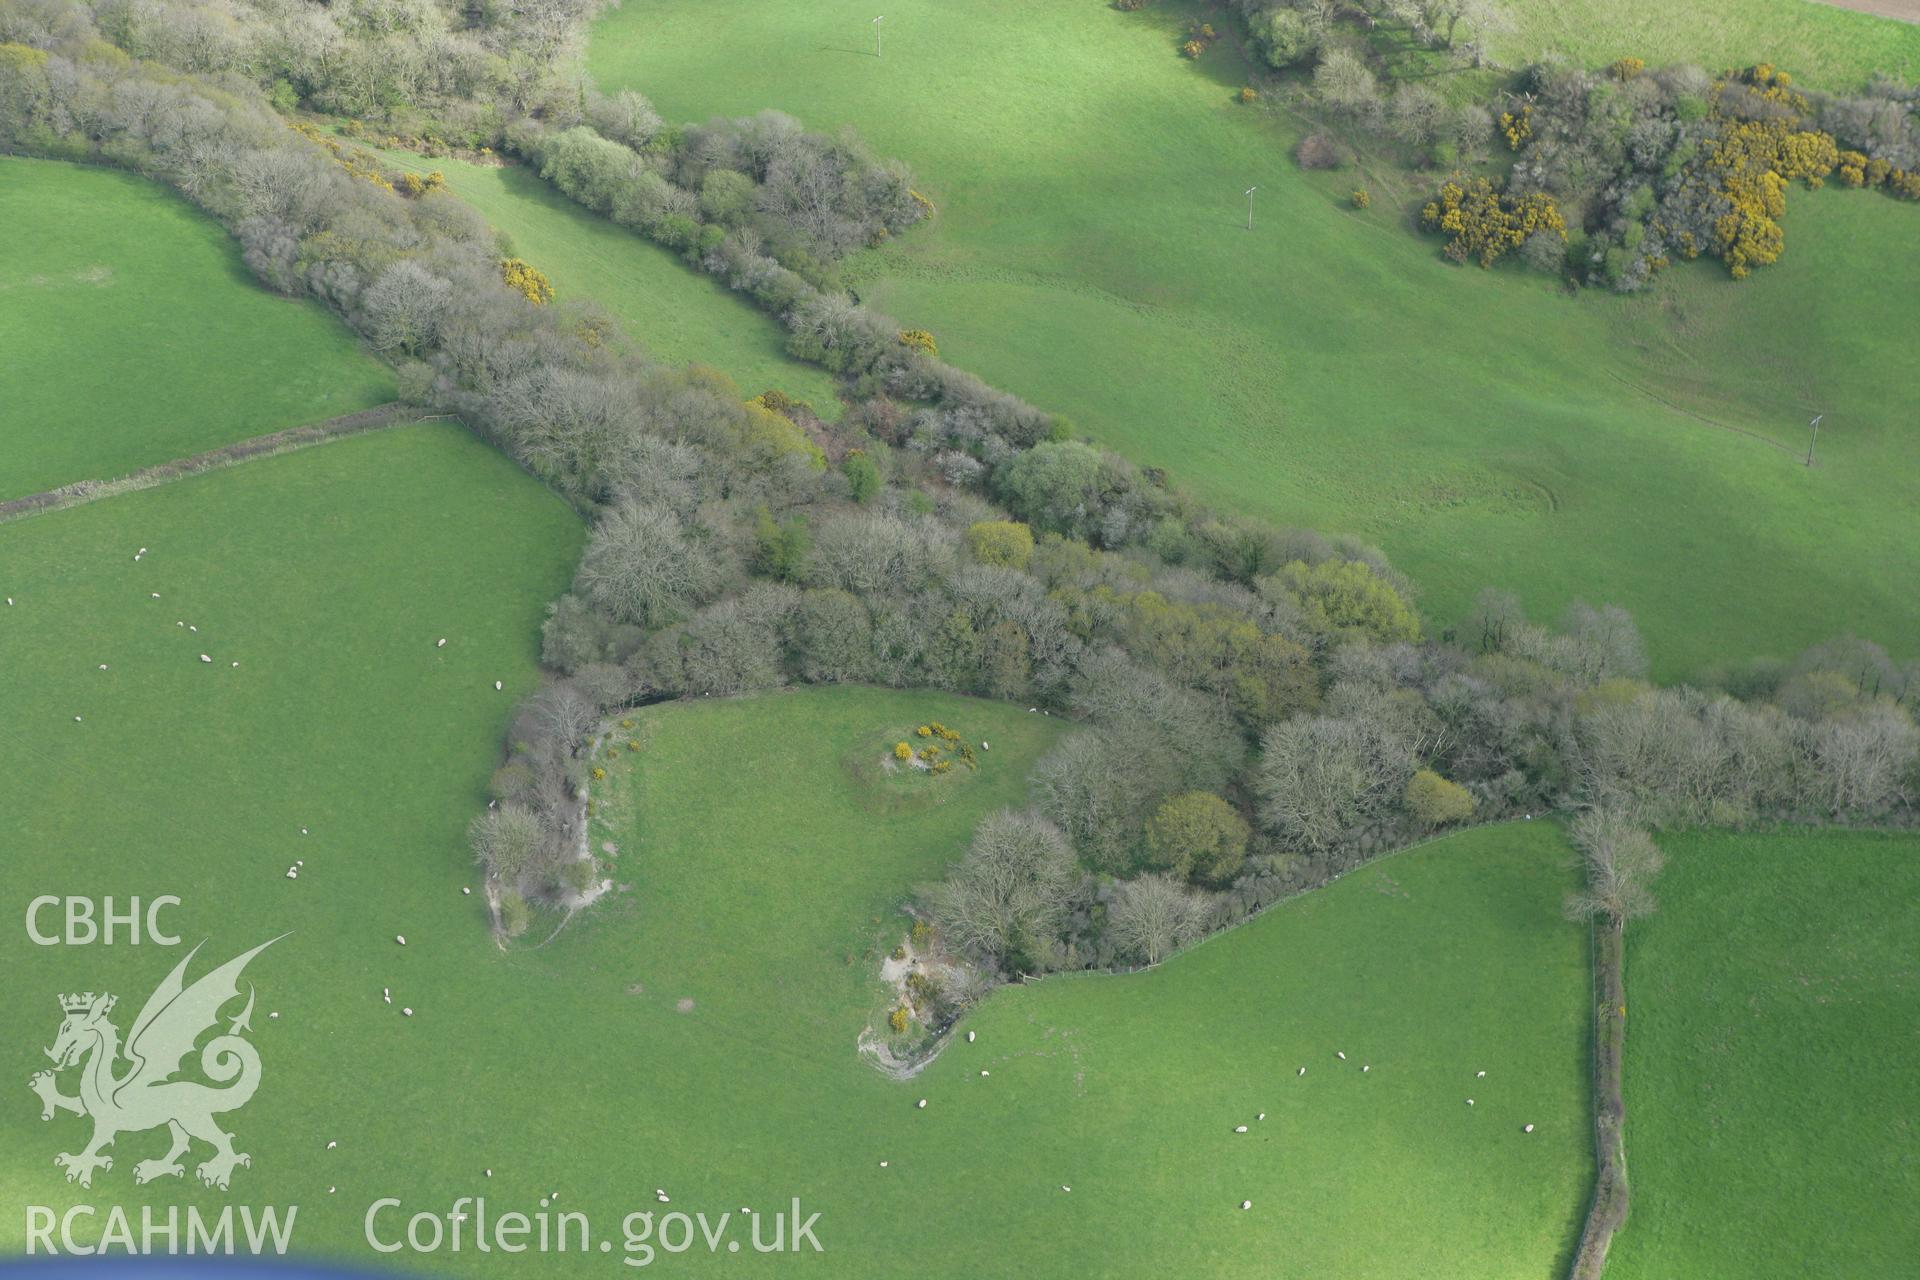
1327 369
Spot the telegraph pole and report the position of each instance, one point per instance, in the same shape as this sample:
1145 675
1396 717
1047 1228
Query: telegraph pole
876 35
1813 436
1249 194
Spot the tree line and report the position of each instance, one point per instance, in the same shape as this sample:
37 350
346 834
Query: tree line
1257 709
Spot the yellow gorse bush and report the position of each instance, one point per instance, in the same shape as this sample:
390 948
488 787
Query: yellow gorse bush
526 279
1517 128
1486 223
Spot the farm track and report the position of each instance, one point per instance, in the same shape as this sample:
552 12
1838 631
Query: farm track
1749 432
292 438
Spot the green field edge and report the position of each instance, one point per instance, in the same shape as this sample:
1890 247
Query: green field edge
272 445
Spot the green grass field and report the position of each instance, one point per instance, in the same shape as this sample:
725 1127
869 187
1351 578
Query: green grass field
134 335
1827 46
582 1067
1328 369
676 314
1775 1021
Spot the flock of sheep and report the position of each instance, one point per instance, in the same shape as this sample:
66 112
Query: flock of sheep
138 556
1365 1068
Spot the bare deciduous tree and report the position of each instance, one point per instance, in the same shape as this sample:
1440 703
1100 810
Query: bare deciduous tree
507 841
1621 863
642 567
1004 901
1154 916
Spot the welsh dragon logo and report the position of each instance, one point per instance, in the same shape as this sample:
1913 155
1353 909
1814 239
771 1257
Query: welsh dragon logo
146 1095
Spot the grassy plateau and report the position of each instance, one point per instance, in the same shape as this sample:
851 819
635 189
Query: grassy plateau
134 335
1327 368
1769 1074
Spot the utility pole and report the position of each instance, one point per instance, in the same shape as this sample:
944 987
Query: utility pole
1249 193
876 35
1813 436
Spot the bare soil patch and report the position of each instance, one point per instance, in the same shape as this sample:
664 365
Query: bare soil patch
1904 10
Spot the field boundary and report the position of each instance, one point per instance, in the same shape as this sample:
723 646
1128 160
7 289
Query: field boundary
1608 1212
292 438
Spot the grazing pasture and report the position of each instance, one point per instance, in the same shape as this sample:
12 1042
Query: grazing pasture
1775 1021
696 1032
134 335
1328 369
327 575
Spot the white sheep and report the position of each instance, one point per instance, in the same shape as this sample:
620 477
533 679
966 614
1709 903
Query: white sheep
386 994
332 1145
1239 1128
983 1073
1479 1075
293 873
408 1012
1302 1071
1340 1055
400 938
1528 1129
1065 1187
1246 1204
496 686
442 643
922 1104
883 1164
1365 1069
970 1037
1261 1116
1469 1101
205 658
465 890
